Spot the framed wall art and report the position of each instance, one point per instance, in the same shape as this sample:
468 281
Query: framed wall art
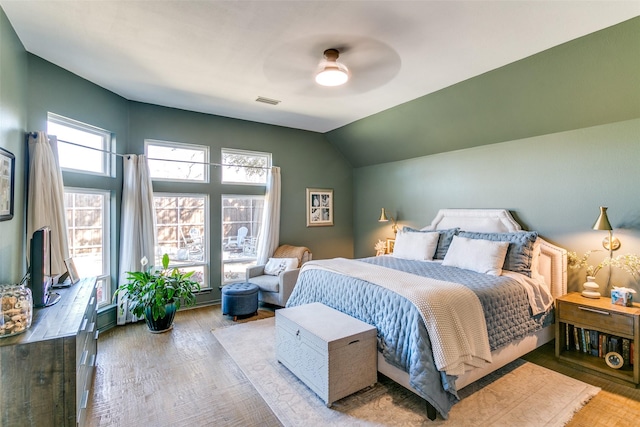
319 207
7 184
390 245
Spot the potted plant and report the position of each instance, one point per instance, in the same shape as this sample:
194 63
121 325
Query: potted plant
156 294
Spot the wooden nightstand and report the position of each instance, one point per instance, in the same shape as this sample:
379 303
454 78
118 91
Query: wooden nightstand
587 329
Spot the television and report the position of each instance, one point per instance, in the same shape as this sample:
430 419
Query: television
40 269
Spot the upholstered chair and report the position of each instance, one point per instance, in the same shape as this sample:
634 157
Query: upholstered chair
279 279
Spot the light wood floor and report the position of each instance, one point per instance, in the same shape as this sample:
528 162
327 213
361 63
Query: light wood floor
185 377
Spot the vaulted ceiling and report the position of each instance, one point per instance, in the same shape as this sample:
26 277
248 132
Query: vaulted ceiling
218 57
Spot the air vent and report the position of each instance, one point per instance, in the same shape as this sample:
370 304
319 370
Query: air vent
267 100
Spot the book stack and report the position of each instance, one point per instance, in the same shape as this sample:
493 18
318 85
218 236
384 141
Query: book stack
598 344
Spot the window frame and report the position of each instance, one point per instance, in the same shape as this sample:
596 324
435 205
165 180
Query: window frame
180 145
242 260
206 235
105 277
107 148
223 151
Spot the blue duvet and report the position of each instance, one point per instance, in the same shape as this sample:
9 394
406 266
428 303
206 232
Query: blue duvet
402 335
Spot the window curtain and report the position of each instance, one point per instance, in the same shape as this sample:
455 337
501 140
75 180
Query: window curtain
137 229
269 235
45 200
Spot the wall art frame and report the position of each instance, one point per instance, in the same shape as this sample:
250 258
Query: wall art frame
319 207
391 243
7 184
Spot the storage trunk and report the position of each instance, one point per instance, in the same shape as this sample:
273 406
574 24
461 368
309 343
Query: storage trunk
331 352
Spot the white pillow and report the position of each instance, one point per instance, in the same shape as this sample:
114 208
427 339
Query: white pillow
482 256
275 266
415 245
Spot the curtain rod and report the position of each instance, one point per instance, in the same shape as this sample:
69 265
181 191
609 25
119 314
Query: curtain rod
35 135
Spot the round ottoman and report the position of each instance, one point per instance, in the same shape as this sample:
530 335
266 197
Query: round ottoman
239 299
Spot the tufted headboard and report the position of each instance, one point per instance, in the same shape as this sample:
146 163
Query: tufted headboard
552 262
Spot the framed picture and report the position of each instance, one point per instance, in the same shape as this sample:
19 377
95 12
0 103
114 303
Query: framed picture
7 184
390 244
319 207
71 269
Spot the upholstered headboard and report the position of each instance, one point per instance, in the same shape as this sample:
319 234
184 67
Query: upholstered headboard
552 262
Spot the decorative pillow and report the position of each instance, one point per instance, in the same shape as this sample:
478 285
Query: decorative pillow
275 266
482 256
418 246
443 241
520 252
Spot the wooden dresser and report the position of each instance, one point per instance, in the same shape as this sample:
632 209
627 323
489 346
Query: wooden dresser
47 371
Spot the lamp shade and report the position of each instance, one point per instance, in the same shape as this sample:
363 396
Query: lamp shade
331 72
602 223
383 216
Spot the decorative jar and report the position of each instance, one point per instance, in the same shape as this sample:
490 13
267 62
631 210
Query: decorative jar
16 309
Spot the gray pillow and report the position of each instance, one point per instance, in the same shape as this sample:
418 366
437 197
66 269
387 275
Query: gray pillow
444 240
520 250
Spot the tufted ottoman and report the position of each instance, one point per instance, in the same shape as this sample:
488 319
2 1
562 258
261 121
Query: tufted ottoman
239 299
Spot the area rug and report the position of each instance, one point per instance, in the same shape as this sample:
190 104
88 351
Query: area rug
520 394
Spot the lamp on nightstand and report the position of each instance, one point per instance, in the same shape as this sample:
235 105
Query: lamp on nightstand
591 288
602 223
383 218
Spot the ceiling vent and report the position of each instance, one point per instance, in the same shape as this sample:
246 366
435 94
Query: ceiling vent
267 100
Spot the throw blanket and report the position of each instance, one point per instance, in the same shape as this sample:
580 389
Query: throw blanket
452 313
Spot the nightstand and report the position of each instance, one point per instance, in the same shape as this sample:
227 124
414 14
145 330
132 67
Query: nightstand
588 329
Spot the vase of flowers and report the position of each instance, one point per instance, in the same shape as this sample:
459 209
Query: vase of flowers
629 263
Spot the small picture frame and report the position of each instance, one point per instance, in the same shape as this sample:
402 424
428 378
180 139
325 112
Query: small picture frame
390 244
71 269
319 207
7 184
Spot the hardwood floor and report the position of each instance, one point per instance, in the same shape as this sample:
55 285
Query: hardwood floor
185 377
179 378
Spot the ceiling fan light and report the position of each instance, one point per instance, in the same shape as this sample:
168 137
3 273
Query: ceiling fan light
331 72
332 76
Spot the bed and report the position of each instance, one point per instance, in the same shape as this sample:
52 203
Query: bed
440 325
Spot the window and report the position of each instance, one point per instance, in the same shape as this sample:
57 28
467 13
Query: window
191 164
241 221
245 167
71 132
88 228
182 232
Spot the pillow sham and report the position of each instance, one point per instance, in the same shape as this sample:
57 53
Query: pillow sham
520 253
482 256
444 239
275 266
416 246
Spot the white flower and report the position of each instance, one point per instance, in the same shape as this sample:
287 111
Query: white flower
380 245
144 261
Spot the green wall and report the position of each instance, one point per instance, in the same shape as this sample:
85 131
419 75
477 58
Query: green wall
553 184
586 82
13 118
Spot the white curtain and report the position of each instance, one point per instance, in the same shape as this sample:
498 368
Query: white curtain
269 236
137 229
45 200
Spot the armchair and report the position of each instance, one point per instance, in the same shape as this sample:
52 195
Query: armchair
277 289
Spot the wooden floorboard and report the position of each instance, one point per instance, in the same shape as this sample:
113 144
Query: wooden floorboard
185 377
178 378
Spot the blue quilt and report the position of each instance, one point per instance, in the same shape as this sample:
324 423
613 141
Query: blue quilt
402 335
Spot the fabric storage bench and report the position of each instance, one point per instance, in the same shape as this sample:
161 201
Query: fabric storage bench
334 354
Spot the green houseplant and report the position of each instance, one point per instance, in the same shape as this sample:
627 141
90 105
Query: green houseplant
156 294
